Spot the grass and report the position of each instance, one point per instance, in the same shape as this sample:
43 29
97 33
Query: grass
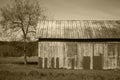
6 60
10 69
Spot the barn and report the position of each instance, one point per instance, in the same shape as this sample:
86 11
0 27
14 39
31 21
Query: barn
79 44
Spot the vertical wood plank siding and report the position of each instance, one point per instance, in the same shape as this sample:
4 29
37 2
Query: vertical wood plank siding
67 54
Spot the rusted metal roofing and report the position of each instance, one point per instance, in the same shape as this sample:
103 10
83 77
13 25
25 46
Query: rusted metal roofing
78 29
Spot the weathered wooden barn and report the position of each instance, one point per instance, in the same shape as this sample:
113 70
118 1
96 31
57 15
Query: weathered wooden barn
79 44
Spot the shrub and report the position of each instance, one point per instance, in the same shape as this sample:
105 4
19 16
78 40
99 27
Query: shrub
15 49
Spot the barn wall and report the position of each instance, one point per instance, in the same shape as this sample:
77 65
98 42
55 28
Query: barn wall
76 55
51 50
84 50
111 58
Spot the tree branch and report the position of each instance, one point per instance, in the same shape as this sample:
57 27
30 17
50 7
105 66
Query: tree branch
28 25
31 31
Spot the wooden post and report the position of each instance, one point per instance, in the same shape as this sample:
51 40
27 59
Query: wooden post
103 56
117 56
92 55
65 57
72 63
40 59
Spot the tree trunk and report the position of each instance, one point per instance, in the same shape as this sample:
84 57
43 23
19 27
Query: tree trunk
25 56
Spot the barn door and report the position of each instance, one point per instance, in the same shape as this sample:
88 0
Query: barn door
86 62
97 62
40 62
57 62
52 62
72 53
45 63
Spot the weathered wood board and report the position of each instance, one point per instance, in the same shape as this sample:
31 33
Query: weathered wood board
71 55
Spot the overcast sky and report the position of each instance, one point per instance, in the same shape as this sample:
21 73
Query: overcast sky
79 9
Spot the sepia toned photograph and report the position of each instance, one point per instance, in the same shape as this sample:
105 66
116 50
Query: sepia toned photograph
59 39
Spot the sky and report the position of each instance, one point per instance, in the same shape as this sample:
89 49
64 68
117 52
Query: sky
79 9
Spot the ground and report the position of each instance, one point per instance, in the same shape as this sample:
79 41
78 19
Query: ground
12 68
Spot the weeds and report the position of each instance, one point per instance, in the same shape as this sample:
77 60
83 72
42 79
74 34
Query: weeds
36 75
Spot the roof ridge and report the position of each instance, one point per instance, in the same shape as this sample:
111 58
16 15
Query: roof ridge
80 20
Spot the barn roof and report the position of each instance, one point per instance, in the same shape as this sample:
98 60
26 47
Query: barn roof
78 29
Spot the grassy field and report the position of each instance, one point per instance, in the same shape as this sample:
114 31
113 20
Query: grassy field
13 69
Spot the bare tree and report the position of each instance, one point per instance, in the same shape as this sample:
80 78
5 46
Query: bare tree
22 15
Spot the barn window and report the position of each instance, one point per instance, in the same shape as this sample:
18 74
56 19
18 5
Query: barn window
72 49
111 50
